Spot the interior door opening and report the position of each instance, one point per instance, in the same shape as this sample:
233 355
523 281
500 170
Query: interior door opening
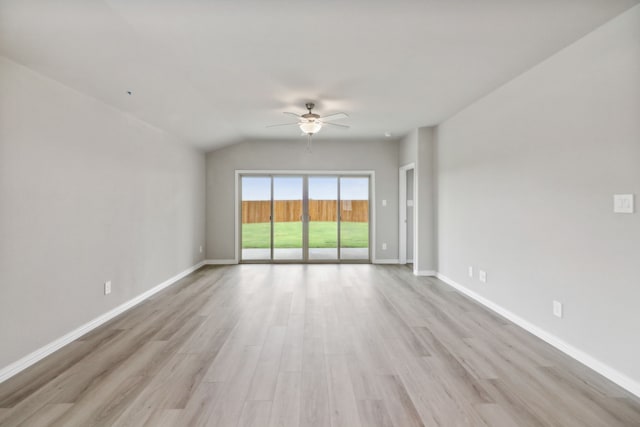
304 218
408 212
409 216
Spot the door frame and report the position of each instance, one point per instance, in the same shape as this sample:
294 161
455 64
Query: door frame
402 218
304 173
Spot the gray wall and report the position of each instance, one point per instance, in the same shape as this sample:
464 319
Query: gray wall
407 154
87 194
426 195
419 147
380 156
526 178
408 148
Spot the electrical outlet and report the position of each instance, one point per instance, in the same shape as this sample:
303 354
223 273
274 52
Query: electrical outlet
470 270
482 275
200 249
623 203
384 246
557 309
107 287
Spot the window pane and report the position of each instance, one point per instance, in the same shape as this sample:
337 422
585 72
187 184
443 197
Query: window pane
256 222
323 217
287 219
354 218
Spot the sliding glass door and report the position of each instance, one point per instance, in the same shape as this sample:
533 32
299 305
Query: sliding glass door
256 218
323 217
304 218
354 218
287 218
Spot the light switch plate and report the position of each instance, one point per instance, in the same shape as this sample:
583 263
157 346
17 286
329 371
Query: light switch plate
482 275
623 203
384 203
557 309
470 271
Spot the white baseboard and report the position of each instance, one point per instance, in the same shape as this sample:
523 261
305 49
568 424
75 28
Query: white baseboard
602 368
221 261
424 272
386 261
28 360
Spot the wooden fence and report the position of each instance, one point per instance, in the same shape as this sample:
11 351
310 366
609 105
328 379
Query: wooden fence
291 210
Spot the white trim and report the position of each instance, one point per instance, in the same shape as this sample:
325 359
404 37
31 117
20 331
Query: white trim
238 202
304 172
402 210
602 368
236 223
221 261
373 208
28 360
425 273
402 213
385 261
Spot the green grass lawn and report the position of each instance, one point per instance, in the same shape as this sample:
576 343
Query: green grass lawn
321 235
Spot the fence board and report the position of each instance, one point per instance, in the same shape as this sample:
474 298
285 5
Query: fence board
254 211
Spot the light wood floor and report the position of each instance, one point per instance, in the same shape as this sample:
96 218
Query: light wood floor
314 345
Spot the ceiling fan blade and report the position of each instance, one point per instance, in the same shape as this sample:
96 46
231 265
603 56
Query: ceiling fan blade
297 116
283 124
336 125
335 116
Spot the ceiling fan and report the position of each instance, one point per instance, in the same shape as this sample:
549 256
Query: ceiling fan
310 123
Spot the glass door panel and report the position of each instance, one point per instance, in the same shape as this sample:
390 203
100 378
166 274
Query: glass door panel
354 218
323 217
256 218
287 217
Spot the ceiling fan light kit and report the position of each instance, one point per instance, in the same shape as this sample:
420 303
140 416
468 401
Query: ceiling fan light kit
310 127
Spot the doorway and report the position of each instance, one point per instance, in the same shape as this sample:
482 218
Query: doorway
407 214
304 217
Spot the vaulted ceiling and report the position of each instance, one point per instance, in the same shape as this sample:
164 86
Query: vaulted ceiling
219 71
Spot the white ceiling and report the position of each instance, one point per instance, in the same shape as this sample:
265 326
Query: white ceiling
217 72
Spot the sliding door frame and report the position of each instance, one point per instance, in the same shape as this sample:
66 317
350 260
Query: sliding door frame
239 173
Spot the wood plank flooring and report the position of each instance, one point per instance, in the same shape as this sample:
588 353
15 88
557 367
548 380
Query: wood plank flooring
311 345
